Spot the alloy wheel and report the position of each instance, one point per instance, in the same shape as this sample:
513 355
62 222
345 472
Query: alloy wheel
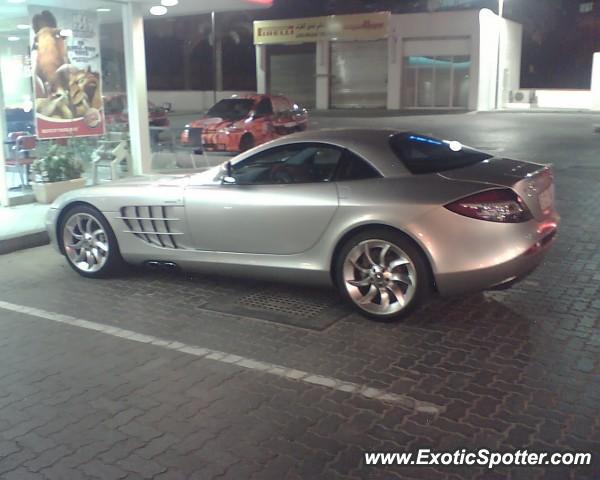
379 277
85 242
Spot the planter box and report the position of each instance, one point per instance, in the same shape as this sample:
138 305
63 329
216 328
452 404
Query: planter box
48 192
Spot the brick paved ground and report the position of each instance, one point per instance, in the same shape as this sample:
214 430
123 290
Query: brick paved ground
514 369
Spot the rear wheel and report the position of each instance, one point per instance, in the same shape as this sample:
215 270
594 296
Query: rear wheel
382 274
89 243
246 142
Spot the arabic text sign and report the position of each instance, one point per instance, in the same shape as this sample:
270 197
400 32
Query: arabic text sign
369 26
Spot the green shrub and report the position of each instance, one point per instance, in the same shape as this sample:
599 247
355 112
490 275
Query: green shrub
57 165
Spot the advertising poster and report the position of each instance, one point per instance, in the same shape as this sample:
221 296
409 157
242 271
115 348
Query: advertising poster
66 73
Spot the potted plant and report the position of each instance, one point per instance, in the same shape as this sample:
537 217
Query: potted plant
55 173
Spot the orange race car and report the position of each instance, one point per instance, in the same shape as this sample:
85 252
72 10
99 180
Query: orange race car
241 122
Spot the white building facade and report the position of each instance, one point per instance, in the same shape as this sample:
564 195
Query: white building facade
440 60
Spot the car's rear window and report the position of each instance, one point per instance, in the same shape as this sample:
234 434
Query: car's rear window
423 154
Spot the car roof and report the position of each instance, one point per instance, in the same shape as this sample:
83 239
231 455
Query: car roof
258 96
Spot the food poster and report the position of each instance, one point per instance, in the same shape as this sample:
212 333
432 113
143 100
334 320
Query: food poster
66 73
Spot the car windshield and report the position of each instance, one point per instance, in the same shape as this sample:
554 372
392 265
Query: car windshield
423 154
231 108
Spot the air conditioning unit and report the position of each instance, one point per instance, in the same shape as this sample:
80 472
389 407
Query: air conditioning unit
521 99
522 96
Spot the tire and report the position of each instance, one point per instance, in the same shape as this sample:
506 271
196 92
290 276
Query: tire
246 142
402 275
98 255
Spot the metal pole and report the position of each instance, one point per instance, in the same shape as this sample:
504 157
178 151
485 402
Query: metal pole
500 11
214 53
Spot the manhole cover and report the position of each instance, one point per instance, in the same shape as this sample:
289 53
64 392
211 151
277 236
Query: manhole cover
300 307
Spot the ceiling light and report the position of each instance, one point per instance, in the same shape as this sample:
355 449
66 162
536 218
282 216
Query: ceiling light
13 38
158 10
66 32
23 26
169 3
103 9
16 1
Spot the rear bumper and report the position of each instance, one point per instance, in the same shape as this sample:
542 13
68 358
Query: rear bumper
500 276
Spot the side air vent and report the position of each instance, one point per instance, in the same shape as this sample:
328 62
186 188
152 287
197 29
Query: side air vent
152 224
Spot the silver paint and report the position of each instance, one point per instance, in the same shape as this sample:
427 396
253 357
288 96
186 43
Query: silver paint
291 231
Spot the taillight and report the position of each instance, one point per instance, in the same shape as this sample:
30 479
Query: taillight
501 205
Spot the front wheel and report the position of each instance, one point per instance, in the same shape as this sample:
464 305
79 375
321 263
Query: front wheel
89 243
382 274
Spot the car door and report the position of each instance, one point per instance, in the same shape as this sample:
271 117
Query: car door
281 202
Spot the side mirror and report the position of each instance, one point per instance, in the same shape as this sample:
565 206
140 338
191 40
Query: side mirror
228 178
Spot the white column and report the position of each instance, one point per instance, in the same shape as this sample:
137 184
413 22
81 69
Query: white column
596 82
3 134
323 74
137 90
394 76
261 68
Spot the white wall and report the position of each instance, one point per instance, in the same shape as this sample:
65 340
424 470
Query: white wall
488 60
510 59
189 100
580 99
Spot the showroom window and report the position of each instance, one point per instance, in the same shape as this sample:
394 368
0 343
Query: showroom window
181 54
436 81
60 68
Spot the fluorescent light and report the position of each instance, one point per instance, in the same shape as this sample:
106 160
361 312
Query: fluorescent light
169 3
103 9
23 26
66 32
13 38
158 10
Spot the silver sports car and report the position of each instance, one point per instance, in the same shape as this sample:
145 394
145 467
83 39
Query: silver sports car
388 217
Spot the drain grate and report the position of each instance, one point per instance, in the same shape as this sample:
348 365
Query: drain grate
286 303
300 307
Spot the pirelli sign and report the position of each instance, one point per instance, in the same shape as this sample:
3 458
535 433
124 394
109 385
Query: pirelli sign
368 26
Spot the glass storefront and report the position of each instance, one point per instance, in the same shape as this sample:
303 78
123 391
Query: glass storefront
436 81
63 79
